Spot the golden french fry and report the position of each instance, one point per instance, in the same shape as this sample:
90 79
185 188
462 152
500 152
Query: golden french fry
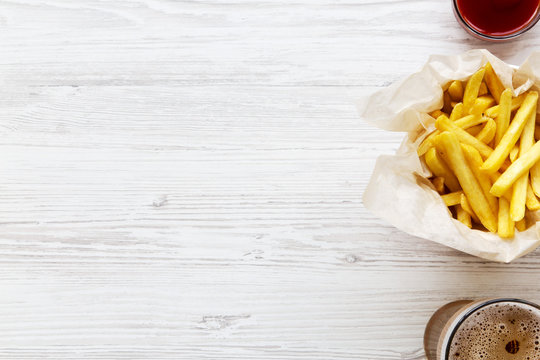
493 82
439 168
463 122
517 169
447 106
511 136
483 89
471 90
514 153
506 164
438 184
503 118
448 143
466 205
535 170
519 197
470 121
506 225
476 122
444 124
427 143
457 112
519 190
488 132
456 90
521 225
493 111
436 113
494 176
452 198
481 104
507 195
535 178
463 216
475 161
532 201
518 101
475 130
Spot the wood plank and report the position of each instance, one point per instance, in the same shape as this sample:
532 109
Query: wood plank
183 180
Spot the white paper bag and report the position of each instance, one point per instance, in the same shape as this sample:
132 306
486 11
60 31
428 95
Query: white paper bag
399 191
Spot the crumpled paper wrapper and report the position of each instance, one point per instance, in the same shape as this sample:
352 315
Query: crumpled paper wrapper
399 191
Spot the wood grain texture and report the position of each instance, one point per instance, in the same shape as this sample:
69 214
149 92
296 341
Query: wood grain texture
183 180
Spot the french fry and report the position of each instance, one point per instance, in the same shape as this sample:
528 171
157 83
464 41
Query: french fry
532 201
483 152
448 143
493 82
427 143
493 111
470 121
506 225
519 190
471 90
535 170
439 168
452 198
447 106
517 169
535 178
457 112
463 122
475 130
475 161
518 101
503 118
521 225
456 90
438 184
481 104
444 124
507 195
483 89
463 216
488 132
506 164
509 139
519 198
436 113
466 205
514 153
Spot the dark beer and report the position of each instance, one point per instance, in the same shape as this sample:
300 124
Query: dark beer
499 331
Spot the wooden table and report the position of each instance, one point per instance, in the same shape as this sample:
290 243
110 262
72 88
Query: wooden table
183 180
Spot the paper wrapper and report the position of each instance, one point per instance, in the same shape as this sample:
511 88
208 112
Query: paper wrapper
399 191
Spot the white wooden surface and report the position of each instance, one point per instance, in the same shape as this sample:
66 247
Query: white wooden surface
183 180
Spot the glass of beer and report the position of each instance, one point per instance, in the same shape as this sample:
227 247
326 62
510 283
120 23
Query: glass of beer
492 329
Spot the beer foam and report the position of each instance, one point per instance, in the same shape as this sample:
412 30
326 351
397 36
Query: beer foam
499 331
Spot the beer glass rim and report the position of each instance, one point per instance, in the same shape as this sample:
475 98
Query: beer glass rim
474 309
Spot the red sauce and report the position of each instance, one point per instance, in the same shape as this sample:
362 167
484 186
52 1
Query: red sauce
497 17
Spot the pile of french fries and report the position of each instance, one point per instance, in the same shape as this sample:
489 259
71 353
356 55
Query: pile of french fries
484 154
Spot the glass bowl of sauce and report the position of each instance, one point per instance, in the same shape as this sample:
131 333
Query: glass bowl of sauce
496 20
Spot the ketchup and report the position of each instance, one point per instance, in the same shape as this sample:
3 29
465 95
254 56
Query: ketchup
497 17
